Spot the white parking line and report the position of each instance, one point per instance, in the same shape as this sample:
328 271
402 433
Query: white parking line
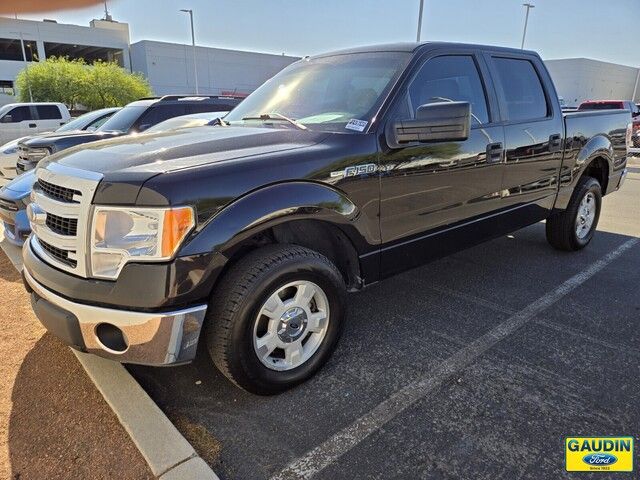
346 439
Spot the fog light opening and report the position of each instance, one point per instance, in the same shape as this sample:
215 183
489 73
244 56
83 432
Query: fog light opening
111 337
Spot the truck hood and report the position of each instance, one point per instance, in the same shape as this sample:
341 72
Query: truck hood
53 140
146 155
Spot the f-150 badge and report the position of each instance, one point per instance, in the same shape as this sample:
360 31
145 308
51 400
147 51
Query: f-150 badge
356 170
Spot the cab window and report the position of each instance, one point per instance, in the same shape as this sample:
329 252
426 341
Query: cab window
449 79
18 114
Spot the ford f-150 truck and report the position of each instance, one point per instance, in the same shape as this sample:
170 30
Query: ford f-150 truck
341 170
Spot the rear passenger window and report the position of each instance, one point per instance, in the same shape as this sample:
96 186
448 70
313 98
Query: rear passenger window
523 93
450 79
20 114
48 112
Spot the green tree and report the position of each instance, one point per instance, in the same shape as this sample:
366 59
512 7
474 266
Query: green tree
55 80
108 85
73 82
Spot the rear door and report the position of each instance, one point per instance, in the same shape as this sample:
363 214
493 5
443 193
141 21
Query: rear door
436 196
49 118
534 132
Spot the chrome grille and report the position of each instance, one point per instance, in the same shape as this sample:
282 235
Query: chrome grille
58 192
61 225
59 254
61 216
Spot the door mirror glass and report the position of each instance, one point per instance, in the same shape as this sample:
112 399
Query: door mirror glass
434 122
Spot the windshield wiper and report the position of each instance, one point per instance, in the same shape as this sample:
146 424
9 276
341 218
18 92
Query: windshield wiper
276 116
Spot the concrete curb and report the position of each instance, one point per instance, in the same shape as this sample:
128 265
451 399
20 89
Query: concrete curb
166 451
169 455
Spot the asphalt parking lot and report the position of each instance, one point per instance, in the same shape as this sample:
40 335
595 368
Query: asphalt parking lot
475 366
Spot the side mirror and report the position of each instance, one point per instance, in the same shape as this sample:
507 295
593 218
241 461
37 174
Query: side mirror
7 118
144 127
434 122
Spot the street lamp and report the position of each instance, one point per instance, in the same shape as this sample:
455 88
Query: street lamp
420 20
193 42
528 6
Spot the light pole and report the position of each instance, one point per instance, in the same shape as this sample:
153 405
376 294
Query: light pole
528 6
26 65
420 20
193 42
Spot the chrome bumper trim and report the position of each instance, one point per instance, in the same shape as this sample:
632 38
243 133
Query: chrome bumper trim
152 338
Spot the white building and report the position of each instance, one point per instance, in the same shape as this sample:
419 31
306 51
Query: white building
580 79
104 40
169 68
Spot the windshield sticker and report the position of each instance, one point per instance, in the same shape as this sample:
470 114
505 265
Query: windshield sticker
357 125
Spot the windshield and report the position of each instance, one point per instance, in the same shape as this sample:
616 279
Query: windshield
81 122
338 93
123 120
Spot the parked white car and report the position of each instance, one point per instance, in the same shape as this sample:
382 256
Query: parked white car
24 119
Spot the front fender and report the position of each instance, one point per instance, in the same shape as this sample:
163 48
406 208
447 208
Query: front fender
275 204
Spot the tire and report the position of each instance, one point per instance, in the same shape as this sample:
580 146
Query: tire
240 311
562 227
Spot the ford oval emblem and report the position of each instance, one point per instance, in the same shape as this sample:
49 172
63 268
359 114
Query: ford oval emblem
601 459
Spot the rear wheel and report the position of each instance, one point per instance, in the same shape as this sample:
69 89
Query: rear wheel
276 318
574 228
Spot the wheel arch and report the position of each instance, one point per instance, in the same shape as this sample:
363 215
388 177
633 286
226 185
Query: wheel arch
307 214
595 159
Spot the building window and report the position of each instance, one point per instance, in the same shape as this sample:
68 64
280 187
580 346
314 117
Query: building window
10 49
6 87
89 53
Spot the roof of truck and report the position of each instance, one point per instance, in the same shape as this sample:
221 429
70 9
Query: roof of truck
413 46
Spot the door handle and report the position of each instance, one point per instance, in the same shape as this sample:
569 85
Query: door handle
555 142
495 152
32 125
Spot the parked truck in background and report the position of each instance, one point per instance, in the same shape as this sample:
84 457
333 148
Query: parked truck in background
340 171
24 119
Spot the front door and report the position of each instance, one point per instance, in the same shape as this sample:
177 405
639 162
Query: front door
435 196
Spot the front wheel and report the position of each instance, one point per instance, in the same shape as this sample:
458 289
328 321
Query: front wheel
574 228
276 318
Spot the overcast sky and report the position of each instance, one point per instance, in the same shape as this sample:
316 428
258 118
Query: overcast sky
601 29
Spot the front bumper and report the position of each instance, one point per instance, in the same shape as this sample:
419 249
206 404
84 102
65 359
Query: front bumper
160 338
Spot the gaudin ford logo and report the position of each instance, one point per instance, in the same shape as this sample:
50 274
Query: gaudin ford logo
599 459
595 454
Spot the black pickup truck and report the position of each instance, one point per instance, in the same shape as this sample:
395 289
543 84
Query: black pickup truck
341 170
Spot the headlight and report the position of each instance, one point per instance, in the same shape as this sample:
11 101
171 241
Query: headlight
10 150
120 235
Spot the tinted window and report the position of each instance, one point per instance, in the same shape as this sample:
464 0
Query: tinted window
447 79
159 113
602 106
48 112
523 93
123 120
20 114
